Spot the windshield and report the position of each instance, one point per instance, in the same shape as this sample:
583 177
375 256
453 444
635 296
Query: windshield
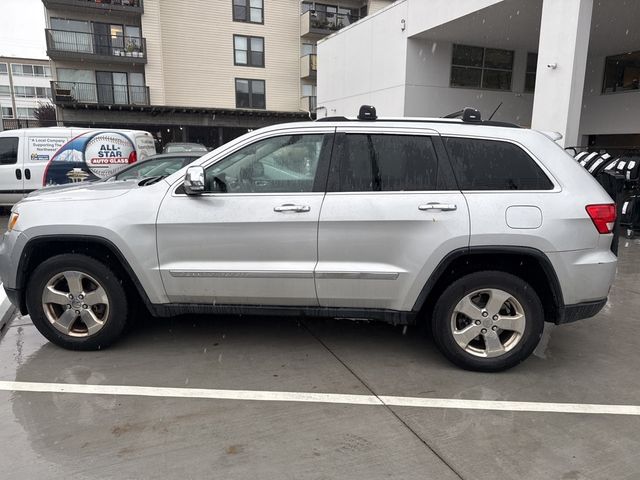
184 147
153 167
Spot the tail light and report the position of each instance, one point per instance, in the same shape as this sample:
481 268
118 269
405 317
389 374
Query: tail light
133 157
603 216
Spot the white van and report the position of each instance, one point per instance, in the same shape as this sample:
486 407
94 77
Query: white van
26 153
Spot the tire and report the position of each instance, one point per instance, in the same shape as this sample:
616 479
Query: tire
518 323
96 315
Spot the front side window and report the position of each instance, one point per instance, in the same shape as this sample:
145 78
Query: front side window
494 165
250 93
478 67
285 164
248 51
622 73
8 150
387 163
248 11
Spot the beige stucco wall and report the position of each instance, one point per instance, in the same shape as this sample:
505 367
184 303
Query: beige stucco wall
190 53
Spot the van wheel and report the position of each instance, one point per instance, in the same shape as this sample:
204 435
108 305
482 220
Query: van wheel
76 302
488 321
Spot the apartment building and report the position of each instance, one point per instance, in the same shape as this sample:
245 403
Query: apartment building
190 70
24 84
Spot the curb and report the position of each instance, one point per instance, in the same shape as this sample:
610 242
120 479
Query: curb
7 310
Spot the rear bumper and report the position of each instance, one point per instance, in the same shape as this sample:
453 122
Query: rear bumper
579 311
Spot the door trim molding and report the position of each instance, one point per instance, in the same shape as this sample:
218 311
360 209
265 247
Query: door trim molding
237 274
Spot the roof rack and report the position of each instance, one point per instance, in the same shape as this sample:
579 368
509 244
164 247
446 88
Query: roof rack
468 115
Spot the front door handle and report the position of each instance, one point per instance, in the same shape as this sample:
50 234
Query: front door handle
443 207
290 207
18 174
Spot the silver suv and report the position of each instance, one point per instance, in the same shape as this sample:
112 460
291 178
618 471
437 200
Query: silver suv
483 230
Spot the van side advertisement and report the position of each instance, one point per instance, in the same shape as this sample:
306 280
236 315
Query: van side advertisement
42 149
90 156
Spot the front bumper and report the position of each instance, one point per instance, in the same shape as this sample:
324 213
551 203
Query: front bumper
580 311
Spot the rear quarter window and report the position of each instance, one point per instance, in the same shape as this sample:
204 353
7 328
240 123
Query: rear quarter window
480 164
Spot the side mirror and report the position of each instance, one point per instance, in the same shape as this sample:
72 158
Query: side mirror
194 180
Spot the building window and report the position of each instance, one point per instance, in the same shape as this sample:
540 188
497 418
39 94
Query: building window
478 67
3 69
7 112
622 72
248 11
32 92
19 69
530 76
250 93
5 91
26 112
248 51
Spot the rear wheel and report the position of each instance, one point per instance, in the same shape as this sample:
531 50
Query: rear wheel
77 302
488 321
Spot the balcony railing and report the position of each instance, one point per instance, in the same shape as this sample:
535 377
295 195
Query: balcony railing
308 66
63 44
319 24
65 93
129 6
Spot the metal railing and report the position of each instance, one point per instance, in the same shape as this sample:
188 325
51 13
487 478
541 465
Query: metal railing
93 44
122 5
100 94
331 21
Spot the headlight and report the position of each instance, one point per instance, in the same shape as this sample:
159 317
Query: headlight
13 219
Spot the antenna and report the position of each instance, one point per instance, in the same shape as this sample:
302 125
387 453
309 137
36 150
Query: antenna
494 112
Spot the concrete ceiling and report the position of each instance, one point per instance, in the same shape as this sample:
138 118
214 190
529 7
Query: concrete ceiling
615 26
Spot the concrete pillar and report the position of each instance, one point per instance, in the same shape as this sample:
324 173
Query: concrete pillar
562 60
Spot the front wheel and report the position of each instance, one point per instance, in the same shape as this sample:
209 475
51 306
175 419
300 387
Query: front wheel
76 302
488 321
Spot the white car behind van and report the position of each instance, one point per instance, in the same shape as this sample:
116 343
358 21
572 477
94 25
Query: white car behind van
25 154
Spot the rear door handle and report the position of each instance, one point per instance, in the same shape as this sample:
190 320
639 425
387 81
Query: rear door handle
290 207
443 207
27 174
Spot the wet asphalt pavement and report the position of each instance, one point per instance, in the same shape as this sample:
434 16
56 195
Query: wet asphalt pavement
51 435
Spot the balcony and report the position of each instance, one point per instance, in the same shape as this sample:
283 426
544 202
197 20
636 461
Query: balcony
66 45
73 93
309 103
124 6
309 66
315 25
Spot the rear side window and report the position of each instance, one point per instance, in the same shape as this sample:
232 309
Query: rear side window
8 150
369 163
494 165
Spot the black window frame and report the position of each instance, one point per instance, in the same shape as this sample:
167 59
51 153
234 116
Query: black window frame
542 172
249 51
444 178
247 8
612 62
15 151
529 72
251 103
483 68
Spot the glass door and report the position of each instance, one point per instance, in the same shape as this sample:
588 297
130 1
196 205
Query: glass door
105 87
120 88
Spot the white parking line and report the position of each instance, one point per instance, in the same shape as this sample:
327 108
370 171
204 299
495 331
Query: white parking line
267 396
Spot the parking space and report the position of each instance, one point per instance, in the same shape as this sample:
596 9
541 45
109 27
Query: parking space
122 435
